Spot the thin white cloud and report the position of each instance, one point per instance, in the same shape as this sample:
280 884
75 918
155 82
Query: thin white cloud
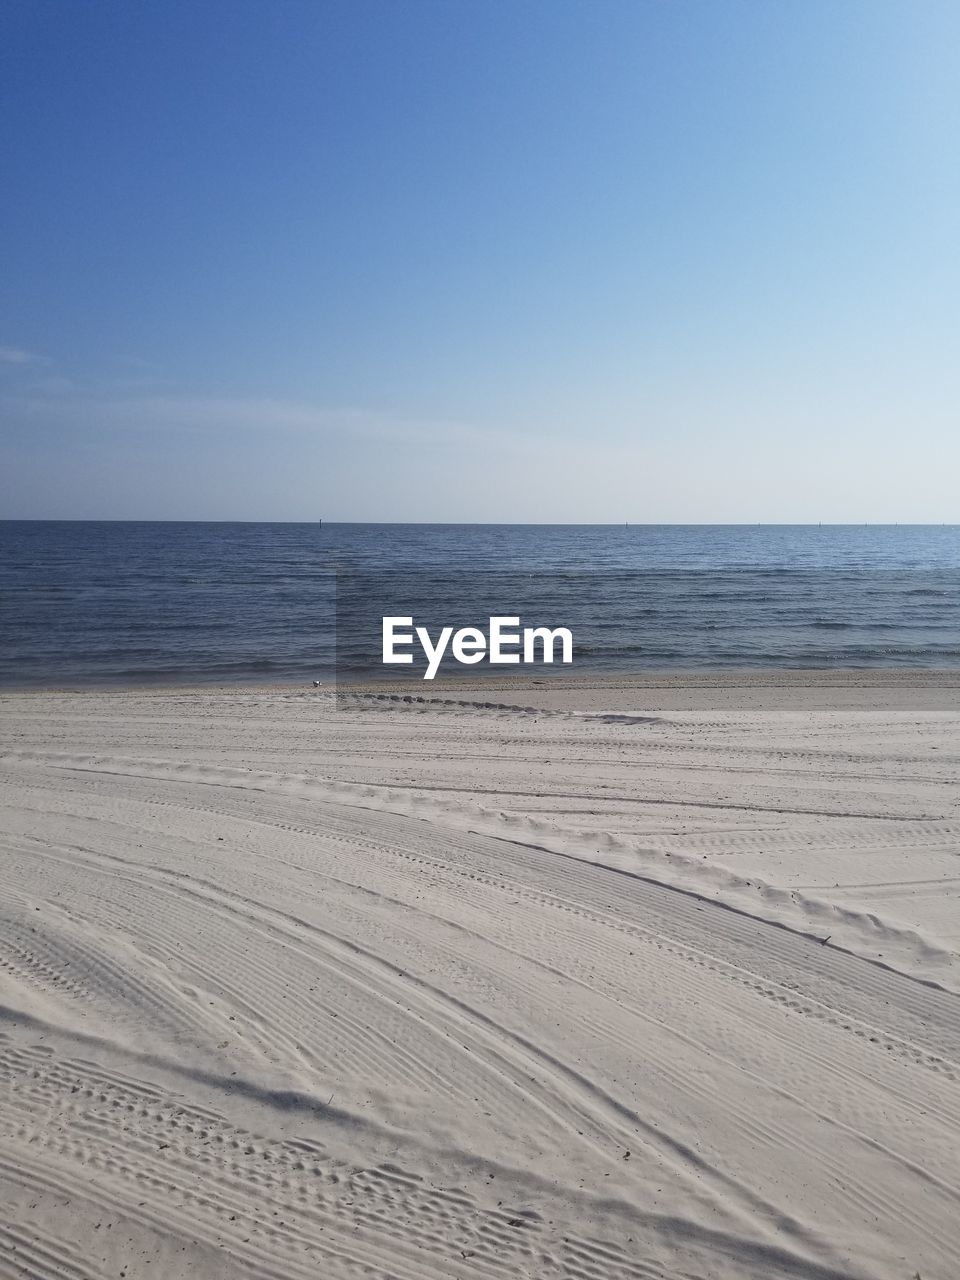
68 407
17 355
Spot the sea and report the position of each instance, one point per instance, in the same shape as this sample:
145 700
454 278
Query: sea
109 603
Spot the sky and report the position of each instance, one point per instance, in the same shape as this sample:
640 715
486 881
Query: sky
480 260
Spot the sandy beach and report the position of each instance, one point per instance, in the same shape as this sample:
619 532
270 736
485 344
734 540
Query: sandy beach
548 978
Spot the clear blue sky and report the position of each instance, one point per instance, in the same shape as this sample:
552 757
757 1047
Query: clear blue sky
487 260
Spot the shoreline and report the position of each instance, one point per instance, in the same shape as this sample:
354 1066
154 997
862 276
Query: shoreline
756 677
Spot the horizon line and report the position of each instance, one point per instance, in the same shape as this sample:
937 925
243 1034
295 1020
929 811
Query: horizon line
508 524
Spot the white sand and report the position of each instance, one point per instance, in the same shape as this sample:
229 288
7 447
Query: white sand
448 989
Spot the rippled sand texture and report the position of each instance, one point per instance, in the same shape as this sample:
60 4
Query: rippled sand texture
638 980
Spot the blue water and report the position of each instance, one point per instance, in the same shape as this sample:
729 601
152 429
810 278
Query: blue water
135 603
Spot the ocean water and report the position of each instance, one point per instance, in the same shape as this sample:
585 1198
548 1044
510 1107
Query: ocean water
88 603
